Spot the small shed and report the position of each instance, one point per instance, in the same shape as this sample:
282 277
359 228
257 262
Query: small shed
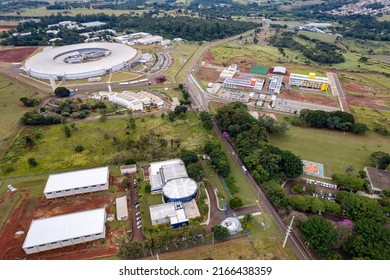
122 213
127 169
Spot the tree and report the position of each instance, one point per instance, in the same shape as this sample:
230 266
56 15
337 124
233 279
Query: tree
357 207
260 174
32 162
317 206
300 202
180 109
359 128
235 202
206 119
319 234
132 124
131 250
371 241
380 159
291 164
67 132
126 182
148 188
62 92
247 221
195 171
79 148
220 232
189 157
348 182
181 86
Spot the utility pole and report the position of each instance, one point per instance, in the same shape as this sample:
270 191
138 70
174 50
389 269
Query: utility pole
289 229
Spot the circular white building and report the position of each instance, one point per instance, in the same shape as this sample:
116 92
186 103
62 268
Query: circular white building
79 61
181 189
232 224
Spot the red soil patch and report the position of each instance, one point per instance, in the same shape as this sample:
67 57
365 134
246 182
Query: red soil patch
16 55
35 208
368 101
208 74
208 57
310 98
6 27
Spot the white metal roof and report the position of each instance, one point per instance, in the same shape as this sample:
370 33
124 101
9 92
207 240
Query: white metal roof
180 188
76 179
65 227
167 212
46 63
121 207
280 69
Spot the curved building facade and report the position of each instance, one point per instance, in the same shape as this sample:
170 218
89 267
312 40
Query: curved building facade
180 189
79 61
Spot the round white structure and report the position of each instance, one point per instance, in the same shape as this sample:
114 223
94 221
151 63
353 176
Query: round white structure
181 189
79 61
233 225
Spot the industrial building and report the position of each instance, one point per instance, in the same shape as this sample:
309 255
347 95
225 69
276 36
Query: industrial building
275 84
163 171
244 84
378 180
149 40
180 189
174 213
135 101
229 72
65 230
309 81
77 182
122 212
92 59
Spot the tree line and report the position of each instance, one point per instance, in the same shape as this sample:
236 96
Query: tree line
316 50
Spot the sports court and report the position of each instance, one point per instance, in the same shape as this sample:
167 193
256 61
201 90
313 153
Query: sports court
259 70
313 168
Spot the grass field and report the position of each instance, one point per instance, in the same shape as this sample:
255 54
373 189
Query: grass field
180 56
10 110
384 17
266 244
322 37
216 182
334 149
54 152
370 117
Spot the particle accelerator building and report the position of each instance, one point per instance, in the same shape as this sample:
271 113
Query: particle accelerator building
79 61
65 230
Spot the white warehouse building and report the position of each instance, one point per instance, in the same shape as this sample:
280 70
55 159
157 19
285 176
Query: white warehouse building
77 182
65 230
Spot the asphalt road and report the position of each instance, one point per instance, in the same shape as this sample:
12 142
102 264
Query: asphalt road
338 90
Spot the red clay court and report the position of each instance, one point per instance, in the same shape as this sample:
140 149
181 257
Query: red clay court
17 54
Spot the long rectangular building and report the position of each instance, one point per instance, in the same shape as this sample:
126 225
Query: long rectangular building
245 84
77 182
65 230
309 81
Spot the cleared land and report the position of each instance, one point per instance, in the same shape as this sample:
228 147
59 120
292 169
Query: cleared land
336 150
370 116
11 110
16 54
104 143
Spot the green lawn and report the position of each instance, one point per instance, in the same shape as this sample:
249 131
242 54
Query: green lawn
34 184
11 110
147 200
268 240
322 37
54 152
245 190
370 117
216 182
336 150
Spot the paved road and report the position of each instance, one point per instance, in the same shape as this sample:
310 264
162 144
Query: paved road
338 91
266 206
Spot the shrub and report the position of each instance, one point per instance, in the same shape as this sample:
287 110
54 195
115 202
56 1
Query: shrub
79 148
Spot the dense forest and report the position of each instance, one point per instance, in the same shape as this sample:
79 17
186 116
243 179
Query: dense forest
192 29
315 50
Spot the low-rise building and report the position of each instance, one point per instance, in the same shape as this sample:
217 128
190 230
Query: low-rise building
309 81
122 212
65 230
128 169
378 180
244 84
